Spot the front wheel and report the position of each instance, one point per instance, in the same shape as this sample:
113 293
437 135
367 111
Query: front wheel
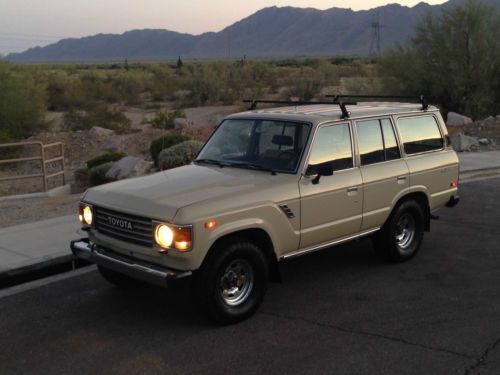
230 285
400 238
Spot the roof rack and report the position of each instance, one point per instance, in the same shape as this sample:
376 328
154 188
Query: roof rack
340 103
421 99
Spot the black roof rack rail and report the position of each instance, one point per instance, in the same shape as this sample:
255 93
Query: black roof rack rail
421 99
342 104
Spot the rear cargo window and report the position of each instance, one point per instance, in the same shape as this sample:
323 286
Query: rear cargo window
420 134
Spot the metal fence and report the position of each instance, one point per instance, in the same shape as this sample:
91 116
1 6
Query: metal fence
41 156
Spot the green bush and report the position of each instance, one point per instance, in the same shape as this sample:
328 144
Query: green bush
166 119
165 142
99 116
97 175
22 103
105 158
178 155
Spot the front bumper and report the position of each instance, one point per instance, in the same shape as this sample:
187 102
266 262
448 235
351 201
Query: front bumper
134 268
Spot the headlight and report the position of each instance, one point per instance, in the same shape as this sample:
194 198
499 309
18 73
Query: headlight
173 237
85 214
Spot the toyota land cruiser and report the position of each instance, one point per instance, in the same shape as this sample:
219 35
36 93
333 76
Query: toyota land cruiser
272 184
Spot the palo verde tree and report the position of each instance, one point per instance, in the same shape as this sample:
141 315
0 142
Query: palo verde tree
454 58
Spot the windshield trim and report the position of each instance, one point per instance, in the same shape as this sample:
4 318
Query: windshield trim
306 142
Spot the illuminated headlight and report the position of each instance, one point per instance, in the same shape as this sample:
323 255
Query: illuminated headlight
85 214
173 237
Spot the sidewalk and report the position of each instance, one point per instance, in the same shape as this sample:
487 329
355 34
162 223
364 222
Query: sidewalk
477 161
28 247
31 246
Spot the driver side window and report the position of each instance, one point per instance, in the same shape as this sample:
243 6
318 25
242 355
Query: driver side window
332 145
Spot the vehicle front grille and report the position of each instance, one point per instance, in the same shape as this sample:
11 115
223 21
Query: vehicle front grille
124 227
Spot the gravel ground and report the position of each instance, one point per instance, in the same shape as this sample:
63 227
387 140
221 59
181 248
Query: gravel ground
21 211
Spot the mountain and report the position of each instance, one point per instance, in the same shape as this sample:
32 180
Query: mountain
270 32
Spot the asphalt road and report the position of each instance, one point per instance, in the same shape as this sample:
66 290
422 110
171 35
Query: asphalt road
339 311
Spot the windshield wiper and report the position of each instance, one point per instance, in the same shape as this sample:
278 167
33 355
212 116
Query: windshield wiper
212 161
252 166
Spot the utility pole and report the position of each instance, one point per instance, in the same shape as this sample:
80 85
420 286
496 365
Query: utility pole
376 26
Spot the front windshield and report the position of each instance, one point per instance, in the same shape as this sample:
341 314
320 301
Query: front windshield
264 144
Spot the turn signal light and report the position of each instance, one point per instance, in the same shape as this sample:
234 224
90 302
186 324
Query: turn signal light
211 224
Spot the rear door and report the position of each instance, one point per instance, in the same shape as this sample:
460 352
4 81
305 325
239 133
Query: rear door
385 174
331 209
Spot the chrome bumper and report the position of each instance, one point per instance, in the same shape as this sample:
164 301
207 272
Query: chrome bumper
134 268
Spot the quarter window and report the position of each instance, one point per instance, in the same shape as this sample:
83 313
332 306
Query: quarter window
420 134
377 142
332 145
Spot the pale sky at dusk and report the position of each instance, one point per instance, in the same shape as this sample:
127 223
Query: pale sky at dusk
28 23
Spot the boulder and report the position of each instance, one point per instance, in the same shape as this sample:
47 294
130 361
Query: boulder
97 133
462 142
129 166
181 123
483 141
115 143
456 119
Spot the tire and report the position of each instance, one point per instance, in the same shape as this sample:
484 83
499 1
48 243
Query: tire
401 236
118 279
232 282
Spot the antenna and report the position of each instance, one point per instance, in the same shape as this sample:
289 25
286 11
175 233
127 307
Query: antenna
376 26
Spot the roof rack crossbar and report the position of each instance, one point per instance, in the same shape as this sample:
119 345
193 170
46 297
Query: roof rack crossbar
421 99
342 104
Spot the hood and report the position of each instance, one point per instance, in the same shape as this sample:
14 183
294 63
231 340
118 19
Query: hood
162 194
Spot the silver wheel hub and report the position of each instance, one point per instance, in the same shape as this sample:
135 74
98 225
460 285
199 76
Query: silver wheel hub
236 282
405 231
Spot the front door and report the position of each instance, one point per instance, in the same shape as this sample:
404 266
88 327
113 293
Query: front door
332 207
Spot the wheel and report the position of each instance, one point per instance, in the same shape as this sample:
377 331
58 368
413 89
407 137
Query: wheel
230 285
118 279
401 236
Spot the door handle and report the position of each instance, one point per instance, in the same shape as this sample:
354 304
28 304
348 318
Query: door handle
401 178
352 189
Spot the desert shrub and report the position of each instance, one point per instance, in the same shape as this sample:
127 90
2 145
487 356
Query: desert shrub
453 59
22 103
165 142
166 119
178 155
97 175
101 116
105 158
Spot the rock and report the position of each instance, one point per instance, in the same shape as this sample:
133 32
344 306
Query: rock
456 119
490 121
115 143
129 166
483 141
462 142
98 133
181 123
82 181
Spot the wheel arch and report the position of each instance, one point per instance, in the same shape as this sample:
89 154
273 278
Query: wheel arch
259 237
422 199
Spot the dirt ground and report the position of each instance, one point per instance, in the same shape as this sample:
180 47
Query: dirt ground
21 211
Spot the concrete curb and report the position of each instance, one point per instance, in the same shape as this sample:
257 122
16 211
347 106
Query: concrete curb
56 192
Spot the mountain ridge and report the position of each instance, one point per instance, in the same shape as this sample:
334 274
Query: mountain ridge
269 32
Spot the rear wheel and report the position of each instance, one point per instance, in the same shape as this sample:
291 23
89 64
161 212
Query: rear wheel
401 237
118 279
232 282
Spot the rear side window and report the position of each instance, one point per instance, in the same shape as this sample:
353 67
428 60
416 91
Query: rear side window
377 142
420 134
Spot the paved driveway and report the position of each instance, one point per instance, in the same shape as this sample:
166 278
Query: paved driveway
340 311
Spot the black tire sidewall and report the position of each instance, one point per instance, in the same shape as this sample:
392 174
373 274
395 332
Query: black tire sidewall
206 281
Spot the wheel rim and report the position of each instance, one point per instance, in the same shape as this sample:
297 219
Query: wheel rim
236 282
405 231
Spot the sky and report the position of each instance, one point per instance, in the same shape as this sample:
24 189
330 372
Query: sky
28 23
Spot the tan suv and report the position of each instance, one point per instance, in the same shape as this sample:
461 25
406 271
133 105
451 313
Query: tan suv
272 184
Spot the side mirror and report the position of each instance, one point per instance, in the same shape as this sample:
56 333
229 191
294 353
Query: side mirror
324 169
